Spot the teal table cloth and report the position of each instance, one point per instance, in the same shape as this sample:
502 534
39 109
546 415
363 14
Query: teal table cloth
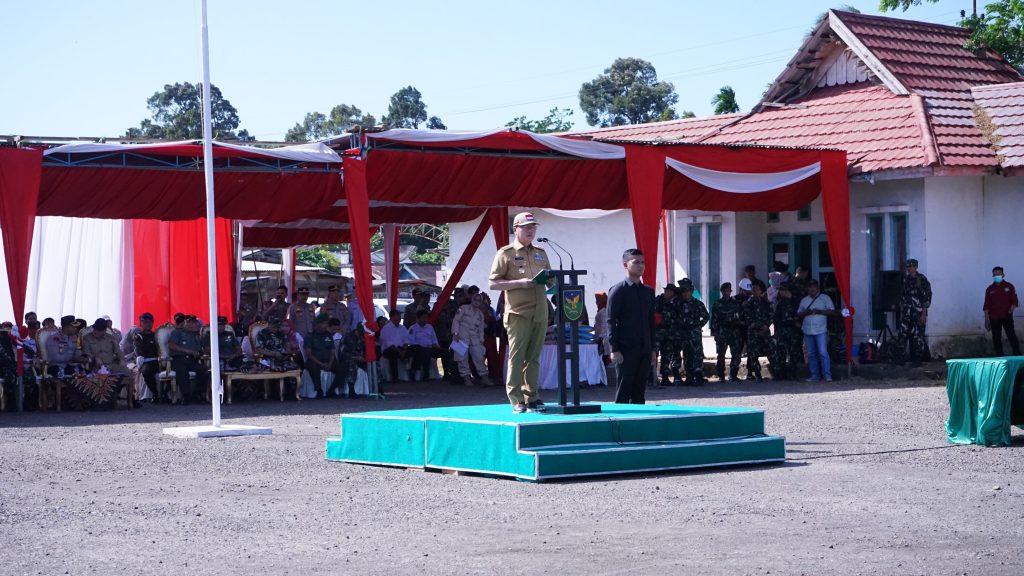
986 397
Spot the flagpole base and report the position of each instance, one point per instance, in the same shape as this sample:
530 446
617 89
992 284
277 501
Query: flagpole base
217 431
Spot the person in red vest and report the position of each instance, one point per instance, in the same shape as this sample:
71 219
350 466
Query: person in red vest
1000 302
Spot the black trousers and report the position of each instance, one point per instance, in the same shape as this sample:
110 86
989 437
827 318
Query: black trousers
632 377
421 356
314 374
182 365
998 327
149 371
393 355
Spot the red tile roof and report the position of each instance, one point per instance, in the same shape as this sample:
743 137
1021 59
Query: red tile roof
684 130
930 60
1003 104
879 128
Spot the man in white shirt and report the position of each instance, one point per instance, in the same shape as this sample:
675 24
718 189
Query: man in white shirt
394 341
815 308
423 345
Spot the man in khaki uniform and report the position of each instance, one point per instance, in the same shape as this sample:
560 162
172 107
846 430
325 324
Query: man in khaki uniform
526 311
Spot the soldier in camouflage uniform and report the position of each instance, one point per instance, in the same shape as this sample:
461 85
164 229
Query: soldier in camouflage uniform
693 316
669 333
915 299
757 314
725 327
798 285
787 349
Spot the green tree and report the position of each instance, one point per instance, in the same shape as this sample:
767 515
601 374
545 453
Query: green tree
628 92
1000 27
687 114
325 256
407 109
434 123
725 101
177 114
557 120
317 126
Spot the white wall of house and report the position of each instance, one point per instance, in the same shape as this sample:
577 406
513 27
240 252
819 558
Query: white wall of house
883 198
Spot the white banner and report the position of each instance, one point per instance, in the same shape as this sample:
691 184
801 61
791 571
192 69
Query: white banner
742 182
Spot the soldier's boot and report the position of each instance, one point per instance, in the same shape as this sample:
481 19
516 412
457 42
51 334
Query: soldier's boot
676 377
664 380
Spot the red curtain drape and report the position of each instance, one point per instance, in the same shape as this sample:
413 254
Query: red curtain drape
460 268
499 224
359 219
170 260
20 171
835 200
645 171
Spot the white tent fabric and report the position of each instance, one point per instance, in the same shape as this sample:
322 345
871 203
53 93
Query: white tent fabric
580 148
586 214
312 152
77 267
743 182
571 146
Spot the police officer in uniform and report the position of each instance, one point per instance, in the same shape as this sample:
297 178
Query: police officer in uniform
915 299
526 311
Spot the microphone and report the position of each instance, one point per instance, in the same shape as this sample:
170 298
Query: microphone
554 249
572 264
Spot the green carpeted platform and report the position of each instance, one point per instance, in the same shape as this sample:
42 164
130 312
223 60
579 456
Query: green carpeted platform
621 439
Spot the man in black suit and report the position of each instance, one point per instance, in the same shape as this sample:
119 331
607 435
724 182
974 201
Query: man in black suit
631 329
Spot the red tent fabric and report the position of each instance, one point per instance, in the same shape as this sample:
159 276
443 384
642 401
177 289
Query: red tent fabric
19 189
170 259
411 169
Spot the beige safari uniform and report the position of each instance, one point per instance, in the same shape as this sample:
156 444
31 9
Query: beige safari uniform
469 325
526 318
106 351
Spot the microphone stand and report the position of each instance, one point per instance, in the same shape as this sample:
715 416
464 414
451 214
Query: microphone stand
572 265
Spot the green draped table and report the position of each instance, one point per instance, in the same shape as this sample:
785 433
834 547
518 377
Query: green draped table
986 397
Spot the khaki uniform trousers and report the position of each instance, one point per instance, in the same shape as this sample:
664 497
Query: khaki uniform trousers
525 342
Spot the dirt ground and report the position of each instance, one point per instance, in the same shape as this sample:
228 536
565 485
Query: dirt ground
870 486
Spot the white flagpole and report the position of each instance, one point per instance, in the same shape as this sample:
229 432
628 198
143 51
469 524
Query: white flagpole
216 430
211 239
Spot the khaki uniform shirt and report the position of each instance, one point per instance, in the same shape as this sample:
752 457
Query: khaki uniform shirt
106 350
514 262
337 310
302 316
469 324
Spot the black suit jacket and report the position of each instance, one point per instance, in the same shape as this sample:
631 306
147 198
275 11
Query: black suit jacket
631 318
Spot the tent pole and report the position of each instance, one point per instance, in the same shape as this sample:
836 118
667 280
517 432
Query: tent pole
211 238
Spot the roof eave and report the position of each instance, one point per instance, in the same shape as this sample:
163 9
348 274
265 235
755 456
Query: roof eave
865 55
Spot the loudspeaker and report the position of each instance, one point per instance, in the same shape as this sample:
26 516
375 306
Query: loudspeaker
888 288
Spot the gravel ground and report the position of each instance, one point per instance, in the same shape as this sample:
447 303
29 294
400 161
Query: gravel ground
870 486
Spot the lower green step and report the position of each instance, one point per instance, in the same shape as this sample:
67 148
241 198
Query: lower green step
493 440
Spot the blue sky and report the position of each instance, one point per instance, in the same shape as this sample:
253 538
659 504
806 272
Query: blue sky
87 68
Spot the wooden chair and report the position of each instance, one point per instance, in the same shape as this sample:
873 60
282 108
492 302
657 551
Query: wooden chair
49 387
163 335
254 332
